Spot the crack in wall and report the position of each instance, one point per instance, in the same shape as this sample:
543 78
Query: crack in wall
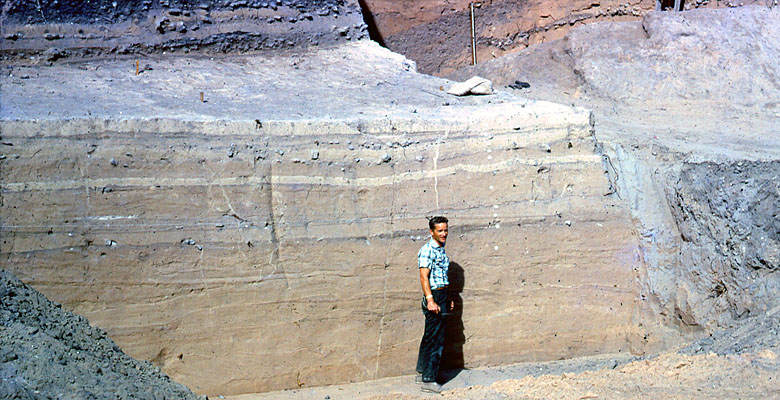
387 277
436 168
206 289
271 225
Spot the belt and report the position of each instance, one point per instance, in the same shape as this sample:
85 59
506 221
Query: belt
441 288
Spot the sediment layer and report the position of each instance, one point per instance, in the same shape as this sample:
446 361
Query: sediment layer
247 254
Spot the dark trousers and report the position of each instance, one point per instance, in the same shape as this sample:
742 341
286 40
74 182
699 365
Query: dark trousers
432 342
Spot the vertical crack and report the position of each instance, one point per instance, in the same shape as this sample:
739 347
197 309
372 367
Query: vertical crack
205 287
436 174
271 224
436 169
387 273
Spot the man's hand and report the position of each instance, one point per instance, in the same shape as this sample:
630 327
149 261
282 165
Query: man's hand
452 305
433 307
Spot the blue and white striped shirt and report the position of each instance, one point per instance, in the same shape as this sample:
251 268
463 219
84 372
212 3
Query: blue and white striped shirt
433 257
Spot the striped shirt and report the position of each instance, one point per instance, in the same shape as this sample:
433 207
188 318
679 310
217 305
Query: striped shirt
433 257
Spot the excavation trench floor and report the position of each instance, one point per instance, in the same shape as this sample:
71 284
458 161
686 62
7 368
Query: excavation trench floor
668 375
404 386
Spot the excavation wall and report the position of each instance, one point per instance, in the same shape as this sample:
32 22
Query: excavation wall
45 31
263 236
436 33
241 260
690 126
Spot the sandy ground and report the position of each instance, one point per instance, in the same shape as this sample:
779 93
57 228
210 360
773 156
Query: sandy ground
669 376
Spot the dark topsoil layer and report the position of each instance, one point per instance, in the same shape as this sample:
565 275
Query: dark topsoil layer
49 353
36 31
113 11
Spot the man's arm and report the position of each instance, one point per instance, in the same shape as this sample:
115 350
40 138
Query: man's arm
426 287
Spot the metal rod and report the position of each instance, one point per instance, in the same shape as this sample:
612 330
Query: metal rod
473 37
677 5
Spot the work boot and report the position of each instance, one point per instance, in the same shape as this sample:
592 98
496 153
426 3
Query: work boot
430 387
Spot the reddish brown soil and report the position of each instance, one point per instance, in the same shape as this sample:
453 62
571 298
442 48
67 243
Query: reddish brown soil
435 33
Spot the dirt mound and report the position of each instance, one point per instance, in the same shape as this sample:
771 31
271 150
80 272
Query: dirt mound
436 33
727 57
752 336
46 352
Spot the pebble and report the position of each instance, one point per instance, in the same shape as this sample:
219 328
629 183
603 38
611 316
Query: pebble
54 54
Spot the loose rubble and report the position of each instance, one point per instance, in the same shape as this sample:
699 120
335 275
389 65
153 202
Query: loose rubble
47 352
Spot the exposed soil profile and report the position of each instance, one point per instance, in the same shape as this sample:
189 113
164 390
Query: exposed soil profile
436 33
47 31
49 353
682 152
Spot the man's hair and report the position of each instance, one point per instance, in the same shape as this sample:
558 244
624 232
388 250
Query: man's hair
436 221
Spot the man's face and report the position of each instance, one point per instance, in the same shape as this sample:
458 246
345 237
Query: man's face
439 233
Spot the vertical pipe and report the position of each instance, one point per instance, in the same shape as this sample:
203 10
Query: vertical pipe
677 5
473 37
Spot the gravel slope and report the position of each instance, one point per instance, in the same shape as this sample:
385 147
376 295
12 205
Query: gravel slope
49 353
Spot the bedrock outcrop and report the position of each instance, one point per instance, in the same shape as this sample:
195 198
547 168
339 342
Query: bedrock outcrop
255 241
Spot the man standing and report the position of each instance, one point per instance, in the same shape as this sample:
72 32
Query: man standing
433 265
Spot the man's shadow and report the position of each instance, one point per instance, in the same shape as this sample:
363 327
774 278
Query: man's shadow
452 356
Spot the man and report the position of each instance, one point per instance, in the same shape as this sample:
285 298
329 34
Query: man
433 264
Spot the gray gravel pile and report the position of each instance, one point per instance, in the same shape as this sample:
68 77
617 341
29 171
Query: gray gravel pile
47 352
727 216
753 335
